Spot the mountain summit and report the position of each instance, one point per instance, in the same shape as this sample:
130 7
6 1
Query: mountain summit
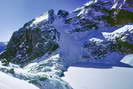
50 32
99 32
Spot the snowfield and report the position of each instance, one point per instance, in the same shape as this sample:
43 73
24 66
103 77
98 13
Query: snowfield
128 59
91 78
9 82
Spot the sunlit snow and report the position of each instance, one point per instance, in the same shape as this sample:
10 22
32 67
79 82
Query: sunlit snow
9 82
41 18
91 78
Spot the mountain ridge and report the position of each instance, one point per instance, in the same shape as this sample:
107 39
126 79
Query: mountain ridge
97 33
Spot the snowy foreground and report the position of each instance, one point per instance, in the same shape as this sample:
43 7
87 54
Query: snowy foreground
9 82
91 78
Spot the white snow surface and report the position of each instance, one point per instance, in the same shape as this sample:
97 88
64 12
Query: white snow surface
9 82
118 4
41 18
125 30
128 59
92 78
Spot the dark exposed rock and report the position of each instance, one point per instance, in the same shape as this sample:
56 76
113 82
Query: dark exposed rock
51 17
62 13
28 44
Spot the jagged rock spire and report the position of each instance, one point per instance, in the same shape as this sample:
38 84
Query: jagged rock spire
51 16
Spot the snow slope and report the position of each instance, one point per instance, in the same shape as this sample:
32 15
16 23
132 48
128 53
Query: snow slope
128 59
45 74
9 82
92 78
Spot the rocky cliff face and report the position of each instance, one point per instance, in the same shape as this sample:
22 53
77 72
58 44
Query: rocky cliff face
29 42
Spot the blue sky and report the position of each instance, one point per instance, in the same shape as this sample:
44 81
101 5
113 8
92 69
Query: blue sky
14 13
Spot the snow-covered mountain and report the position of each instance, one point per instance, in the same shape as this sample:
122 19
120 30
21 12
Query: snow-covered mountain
99 32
